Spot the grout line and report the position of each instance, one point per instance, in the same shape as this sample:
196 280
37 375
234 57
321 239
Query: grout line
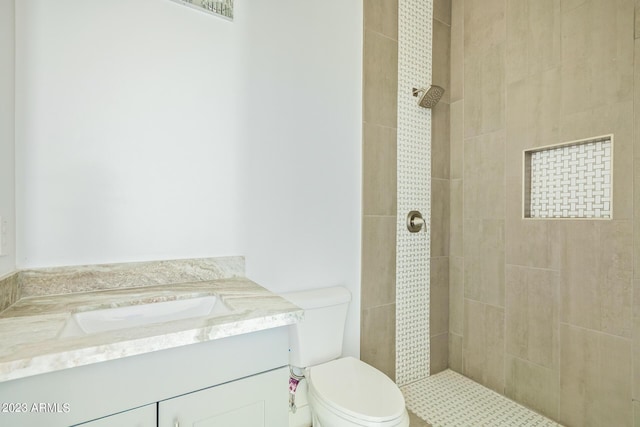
596 331
380 34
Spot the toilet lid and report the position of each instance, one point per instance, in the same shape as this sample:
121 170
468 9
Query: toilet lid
357 389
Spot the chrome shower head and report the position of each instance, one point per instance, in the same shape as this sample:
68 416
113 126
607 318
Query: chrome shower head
430 97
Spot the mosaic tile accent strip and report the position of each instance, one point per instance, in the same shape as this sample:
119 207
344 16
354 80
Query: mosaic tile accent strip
572 181
414 190
450 399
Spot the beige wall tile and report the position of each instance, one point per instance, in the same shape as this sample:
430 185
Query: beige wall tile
484 24
637 21
382 17
595 382
577 25
533 386
456 138
439 349
483 350
616 277
378 261
580 288
441 57
455 352
442 11
531 243
378 338
439 217
567 5
517 59
379 170
531 311
636 413
456 295
380 81
439 296
484 177
456 221
636 340
484 97
577 87
457 50
440 128
484 261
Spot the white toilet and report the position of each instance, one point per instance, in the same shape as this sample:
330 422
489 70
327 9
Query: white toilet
343 391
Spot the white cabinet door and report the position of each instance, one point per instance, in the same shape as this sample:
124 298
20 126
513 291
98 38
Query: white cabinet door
257 401
144 416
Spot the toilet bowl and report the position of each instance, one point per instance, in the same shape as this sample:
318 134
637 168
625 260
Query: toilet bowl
347 392
343 391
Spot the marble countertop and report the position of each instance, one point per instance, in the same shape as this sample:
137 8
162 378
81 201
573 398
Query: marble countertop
30 329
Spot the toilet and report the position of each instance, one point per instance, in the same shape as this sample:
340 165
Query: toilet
342 391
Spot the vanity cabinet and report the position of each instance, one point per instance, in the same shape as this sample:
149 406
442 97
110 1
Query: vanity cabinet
235 381
145 416
259 400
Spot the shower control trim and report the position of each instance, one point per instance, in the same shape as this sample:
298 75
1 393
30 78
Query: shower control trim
415 222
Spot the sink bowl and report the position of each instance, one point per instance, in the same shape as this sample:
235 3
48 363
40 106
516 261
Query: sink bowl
110 319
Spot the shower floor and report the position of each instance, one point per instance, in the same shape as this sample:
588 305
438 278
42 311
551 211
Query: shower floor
450 399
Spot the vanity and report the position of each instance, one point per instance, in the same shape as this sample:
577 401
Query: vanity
212 352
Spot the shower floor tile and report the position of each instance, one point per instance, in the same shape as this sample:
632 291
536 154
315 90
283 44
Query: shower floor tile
450 399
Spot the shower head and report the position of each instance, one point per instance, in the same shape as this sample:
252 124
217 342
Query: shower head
429 97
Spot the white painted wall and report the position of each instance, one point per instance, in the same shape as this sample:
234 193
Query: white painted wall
302 70
147 130
7 116
126 132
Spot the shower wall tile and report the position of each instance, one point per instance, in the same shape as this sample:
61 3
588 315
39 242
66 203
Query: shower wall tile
484 78
456 135
597 276
442 11
379 170
378 261
533 37
636 413
484 25
439 296
484 177
580 296
456 295
378 338
484 261
440 128
616 277
455 352
533 386
442 57
532 303
382 17
483 351
568 5
595 382
637 21
439 217
577 26
439 357
530 243
457 50
456 217
636 340
380 84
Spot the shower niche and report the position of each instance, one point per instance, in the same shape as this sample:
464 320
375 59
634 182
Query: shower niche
572 180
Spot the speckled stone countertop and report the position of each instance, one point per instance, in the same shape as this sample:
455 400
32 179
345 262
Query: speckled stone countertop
30 329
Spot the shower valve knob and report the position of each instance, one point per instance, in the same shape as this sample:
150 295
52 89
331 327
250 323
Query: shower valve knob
415 222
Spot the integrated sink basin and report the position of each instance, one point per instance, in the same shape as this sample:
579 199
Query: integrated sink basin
110 319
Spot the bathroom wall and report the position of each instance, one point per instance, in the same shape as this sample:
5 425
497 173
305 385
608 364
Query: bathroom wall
379 185
542 311
147 130
7 116
440 185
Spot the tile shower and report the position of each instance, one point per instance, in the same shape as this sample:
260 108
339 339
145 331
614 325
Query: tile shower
545 312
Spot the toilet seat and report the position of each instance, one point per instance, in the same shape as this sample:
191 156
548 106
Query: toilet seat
357 392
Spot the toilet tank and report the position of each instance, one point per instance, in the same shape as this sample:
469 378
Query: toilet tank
318 338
